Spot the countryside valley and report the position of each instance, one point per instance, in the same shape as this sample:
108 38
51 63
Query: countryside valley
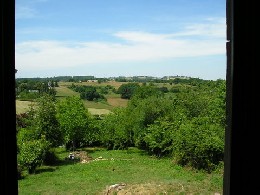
152 135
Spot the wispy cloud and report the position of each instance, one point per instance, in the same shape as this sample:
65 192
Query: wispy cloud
132 46
211 28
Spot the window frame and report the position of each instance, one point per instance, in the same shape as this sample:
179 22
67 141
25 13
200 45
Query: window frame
241 98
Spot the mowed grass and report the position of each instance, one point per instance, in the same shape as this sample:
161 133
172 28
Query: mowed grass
63 91
22 106
117 101
142 174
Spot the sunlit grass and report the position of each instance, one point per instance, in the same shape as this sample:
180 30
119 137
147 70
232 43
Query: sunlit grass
63 91
141 173
22 106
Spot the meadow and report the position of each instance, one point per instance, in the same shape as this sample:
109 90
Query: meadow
95 108
96 169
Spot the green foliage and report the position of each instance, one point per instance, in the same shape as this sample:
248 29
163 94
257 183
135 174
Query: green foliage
144 92
31 89
199 143
115 131
89 93
24 95
31 151
144 113
187 122
163 89
45 120
127 90
23 120
74 120
159 137
93 134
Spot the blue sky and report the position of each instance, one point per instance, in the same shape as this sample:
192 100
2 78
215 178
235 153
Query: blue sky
106 38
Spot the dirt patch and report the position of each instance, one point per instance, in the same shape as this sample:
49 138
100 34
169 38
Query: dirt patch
140 189
81 156
154 189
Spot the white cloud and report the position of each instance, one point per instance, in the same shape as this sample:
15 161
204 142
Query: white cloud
212 28
131 47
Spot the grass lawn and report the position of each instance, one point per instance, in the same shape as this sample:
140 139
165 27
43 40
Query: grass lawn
142 174
63 91
22 106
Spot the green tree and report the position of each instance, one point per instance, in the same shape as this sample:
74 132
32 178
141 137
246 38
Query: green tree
74 120
116 131
45 120
199 143
31 149
127 90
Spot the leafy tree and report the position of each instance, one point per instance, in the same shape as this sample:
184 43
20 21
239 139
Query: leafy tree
45 120
144 92
127 90
158 137
163 89
199 143
90 93
116 132
74 120
31 149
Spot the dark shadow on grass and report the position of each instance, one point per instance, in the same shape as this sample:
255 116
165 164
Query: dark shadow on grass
92 149
61 96
45 169
133 150
66 162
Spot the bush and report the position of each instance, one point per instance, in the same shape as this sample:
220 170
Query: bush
32 153
199 144
158 138
127 90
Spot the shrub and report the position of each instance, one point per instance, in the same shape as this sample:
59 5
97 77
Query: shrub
199 144
32 153
158 138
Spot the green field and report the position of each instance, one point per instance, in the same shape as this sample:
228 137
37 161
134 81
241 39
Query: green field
96 169
63 91
113 100
22 106
95 108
